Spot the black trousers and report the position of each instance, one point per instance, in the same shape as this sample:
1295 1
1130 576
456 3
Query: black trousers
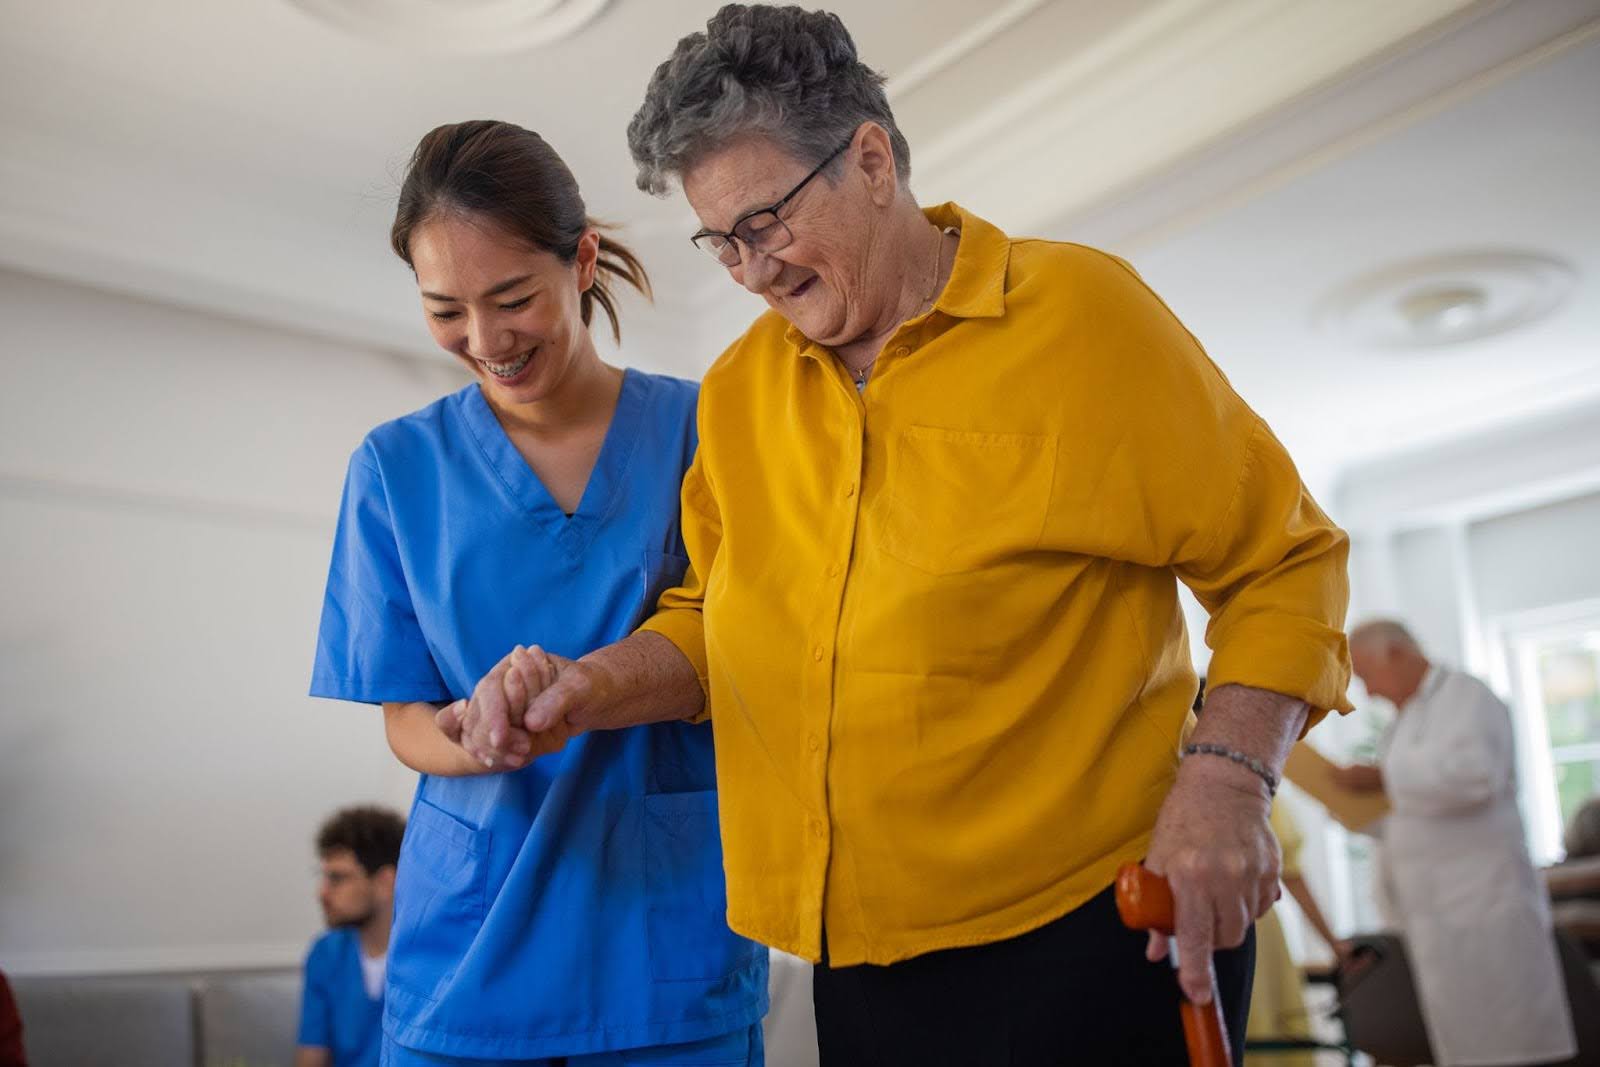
1076 991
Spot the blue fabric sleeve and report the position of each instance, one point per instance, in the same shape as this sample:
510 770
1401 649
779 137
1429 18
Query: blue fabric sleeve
370 647
316 1011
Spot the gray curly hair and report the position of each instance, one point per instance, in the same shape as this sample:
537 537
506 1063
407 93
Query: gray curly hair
780 72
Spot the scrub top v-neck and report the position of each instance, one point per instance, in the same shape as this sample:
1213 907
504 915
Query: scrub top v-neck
577 905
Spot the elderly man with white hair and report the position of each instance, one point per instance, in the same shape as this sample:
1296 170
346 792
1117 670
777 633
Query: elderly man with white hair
1474 915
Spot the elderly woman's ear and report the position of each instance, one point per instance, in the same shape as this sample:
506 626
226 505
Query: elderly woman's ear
875 157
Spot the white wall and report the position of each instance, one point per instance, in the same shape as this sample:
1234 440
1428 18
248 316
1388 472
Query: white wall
168 486
1539 557
1453 538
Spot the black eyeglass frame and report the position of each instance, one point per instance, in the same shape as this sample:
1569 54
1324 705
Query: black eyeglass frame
730 236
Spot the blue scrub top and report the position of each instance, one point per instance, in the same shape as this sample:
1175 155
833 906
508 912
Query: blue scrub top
335 1011
577 905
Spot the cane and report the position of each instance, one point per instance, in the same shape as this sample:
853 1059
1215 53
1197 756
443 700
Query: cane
1144 900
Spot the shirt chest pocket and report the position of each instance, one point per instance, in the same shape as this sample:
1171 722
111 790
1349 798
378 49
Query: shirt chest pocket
959 500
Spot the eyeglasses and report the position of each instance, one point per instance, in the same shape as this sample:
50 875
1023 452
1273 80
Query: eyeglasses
760 230
335 878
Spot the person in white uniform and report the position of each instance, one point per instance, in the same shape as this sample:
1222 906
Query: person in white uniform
1474 915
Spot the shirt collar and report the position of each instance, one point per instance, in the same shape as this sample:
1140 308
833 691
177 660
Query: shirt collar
977 285
1429 684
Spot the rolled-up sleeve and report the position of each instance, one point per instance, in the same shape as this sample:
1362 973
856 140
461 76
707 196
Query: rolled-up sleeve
1274 580
1204 488
678 615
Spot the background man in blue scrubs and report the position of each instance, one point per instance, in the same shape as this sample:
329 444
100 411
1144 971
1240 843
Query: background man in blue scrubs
341 1009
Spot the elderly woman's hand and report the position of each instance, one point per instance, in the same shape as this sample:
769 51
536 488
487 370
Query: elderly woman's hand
489 724
1213 843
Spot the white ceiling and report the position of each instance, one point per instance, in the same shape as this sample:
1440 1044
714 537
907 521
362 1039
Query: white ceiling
1513 167
1249 155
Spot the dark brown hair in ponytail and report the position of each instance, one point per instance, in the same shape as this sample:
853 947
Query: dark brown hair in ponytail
508 175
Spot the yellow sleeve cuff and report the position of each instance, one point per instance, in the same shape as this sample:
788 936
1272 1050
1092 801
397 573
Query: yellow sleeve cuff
1299 658
685 628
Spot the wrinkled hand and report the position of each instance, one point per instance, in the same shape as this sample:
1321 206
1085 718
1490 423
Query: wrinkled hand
575 700
1213 844
489 724
1359 778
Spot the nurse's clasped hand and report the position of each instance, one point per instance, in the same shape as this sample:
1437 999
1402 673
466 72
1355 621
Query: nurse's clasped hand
489 724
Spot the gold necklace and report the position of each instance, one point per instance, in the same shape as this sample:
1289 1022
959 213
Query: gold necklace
927 302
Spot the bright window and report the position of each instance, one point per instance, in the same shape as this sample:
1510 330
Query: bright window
1569 685
1553 665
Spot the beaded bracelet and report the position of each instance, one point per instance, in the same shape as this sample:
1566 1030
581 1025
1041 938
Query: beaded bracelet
1249 763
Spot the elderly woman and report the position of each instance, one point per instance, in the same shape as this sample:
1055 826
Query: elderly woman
945 491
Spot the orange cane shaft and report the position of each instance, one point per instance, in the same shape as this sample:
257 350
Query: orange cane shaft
1204 1033
1144 900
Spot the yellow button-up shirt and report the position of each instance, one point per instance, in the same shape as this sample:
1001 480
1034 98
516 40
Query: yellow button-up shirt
937 620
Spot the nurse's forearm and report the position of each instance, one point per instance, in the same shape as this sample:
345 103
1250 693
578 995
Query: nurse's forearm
640 679
1297 887
417 741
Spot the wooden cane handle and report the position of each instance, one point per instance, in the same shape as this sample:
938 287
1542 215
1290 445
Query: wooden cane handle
1144 900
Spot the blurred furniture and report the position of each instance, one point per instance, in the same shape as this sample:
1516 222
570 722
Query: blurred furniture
249 1019
231 1020
1382 1018
1378 1002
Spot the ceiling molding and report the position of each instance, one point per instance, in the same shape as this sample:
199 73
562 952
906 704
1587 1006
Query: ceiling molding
1468 57
1174 66
1174 69
444 27
56 248
959 47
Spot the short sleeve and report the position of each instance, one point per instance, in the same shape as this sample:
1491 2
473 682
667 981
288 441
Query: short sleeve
370 646
678 615
316 1011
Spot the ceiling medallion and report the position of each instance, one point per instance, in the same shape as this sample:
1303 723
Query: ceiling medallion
1446 299
460 27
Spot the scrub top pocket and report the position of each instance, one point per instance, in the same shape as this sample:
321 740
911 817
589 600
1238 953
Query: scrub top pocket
686 923
439 898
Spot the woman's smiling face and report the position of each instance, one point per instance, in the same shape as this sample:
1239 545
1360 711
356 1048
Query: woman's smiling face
511 313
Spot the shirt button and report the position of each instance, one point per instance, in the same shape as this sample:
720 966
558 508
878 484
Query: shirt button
817 653
902 351
818 829
812 743
833 570
850 490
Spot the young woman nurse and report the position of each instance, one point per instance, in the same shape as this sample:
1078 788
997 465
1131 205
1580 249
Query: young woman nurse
562 907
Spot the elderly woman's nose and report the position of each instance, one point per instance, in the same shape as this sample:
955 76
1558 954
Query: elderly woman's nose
757 271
